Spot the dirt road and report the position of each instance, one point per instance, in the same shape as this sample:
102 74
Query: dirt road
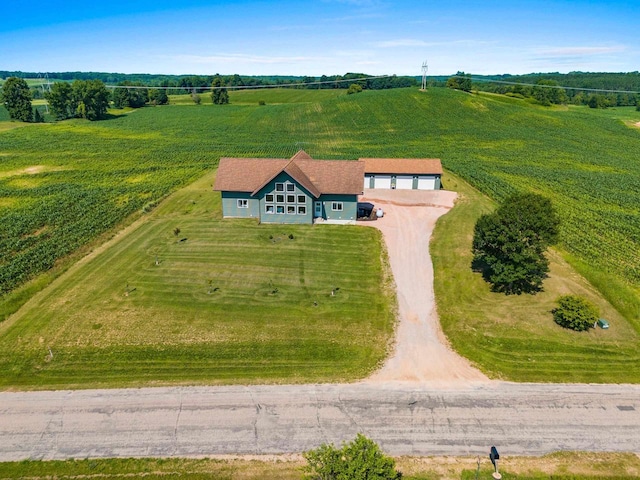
421 351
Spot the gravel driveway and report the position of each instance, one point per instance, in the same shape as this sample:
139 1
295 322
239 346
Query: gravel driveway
421 352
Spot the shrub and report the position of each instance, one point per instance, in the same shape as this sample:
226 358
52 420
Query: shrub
361 459
354 88
576 313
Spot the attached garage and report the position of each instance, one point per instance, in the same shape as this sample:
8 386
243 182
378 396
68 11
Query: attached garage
402 173
404 182
382 181
427 183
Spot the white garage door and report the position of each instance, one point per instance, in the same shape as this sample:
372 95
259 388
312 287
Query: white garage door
426 183
404 182
382 181
367 181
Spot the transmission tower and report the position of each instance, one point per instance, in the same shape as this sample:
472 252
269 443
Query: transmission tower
425 67
46 87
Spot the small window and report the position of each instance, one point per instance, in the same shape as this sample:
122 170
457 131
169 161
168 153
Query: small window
243 203
291 187
302 199
336 206
279 209
291 199
268 209
279 187
291 209
280 198
269 198
302 210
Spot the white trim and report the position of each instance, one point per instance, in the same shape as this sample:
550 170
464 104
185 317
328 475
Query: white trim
337 206
243 203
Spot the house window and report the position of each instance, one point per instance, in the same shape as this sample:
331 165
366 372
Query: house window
291 187
336 206
302 199
291 209
280 198
302 210
279 209
279 187
268 209
269 198
243 203
291 199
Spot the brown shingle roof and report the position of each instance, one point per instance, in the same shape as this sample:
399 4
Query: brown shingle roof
317 176
415 166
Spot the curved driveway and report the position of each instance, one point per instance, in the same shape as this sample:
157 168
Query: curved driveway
426 400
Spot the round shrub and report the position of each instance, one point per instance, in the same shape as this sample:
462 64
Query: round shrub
576 313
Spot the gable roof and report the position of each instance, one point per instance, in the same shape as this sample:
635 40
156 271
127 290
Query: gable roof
415 166
316 176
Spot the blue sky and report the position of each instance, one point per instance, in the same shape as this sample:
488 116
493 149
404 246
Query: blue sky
321 37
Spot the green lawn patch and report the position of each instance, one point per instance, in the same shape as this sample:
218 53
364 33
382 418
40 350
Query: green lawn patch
514 337
223 301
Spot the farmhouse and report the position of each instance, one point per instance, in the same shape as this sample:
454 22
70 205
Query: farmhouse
304 190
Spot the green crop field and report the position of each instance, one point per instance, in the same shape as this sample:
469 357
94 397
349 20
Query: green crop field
63 187
271 96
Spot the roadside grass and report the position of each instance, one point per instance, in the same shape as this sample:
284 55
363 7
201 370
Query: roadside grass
223 301
559 466
514 337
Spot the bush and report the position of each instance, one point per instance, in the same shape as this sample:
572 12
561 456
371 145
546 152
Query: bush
354 88
361 459
576 313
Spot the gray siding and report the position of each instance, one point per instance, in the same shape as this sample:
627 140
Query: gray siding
231 209
349 207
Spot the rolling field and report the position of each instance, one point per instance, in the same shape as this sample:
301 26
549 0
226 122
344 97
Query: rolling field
223 301
62 186
271 96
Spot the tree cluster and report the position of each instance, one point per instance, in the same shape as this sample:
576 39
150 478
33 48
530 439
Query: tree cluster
509 244
360 459
576 80
16 97
82 99
460 81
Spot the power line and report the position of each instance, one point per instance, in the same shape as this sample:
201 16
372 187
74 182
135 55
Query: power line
248 87
582 89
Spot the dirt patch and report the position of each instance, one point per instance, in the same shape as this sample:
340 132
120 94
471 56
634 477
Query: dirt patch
637 124
422 352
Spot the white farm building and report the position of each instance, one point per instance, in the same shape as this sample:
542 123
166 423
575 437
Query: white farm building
402 173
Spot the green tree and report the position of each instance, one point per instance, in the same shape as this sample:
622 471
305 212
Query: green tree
158 96
354 88
460 81
17 99
219 94
509 244
576 313
597 101
90 98
360 459
37 116
130 97
60 99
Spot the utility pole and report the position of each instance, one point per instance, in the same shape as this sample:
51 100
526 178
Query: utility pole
425 67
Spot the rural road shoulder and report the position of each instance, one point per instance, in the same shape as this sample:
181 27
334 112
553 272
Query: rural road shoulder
405 418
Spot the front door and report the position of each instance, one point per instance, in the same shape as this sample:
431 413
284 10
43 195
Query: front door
317 211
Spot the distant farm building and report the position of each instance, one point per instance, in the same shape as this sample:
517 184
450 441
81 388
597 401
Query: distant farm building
304 190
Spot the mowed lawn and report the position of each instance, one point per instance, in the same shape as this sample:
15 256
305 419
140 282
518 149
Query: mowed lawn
514 337
222 301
